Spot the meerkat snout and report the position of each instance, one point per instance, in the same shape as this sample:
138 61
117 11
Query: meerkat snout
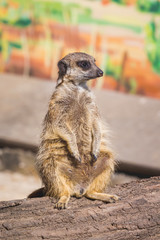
78 67
100 73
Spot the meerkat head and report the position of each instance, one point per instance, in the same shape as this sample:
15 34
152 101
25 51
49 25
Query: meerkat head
78 67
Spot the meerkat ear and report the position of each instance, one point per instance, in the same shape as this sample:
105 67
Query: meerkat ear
62 68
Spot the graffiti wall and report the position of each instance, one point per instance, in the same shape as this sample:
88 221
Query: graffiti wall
123 36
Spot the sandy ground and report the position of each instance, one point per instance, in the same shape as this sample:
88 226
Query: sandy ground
15 185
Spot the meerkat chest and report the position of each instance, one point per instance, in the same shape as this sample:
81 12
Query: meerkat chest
84 106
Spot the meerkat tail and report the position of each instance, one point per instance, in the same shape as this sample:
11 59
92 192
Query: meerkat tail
37 193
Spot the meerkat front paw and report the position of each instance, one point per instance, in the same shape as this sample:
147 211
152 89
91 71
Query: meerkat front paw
94 157
61 205
77 157
63 202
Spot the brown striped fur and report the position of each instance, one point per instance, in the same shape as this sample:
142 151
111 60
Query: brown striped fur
74 156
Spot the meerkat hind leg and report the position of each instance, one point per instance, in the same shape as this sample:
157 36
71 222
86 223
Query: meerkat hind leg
102 197
62 202
98 185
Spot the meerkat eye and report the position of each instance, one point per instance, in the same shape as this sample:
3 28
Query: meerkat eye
85 65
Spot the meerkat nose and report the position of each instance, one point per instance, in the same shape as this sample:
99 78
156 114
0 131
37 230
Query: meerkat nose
100 73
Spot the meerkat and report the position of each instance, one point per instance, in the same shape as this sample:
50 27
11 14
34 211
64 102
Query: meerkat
74 157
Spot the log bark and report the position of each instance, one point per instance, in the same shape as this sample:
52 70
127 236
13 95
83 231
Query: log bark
135 216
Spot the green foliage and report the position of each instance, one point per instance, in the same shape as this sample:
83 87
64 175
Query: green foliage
119 1
0 41
131 85
23 22
4 3
15 45
112 70
29 11
32 11
153 45
18 16
148 6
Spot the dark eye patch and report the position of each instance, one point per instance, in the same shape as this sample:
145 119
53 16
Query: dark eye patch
85 65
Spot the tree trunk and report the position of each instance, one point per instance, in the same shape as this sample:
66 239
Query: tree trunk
135 216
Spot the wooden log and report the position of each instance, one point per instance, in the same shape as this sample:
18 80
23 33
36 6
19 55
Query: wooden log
135 216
